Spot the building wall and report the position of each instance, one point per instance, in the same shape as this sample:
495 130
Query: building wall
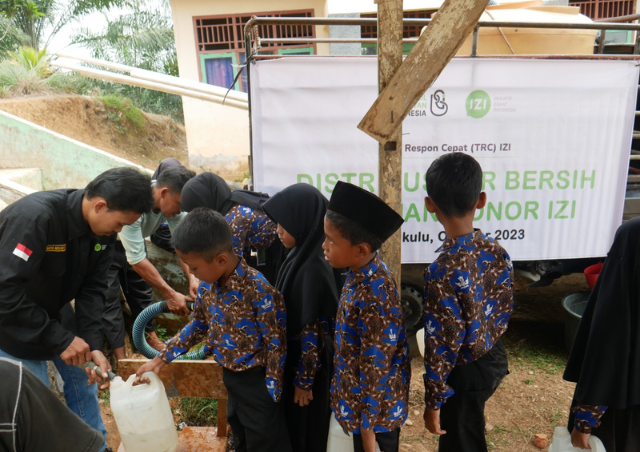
218 136
345 31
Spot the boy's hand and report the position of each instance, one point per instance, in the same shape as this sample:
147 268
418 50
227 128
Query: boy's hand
432 421
155 365
579 439
301 397
368 440
194 284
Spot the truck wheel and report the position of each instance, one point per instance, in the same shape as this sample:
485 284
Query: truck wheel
411 299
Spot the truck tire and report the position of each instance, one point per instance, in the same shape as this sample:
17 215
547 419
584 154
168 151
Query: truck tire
411 299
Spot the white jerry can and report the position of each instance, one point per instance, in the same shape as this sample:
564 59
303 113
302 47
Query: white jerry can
143 415
338 440
562 442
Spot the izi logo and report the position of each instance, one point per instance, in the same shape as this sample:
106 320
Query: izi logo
478 104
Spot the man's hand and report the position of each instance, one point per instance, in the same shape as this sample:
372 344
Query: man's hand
194 283
178 303
579 439
77 353
301 397
99 359
155 365
432 421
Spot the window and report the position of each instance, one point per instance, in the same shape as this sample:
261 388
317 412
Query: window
221 47
408 31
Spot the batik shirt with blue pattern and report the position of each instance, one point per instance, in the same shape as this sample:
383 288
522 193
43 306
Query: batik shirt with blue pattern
468 302
370 387
312 339
250 228
243 326
588 417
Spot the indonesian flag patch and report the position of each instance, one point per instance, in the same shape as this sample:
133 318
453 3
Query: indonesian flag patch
22 252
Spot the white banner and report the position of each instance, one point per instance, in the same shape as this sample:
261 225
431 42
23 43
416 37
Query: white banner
552 136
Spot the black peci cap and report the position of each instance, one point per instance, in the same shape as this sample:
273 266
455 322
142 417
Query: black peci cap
366 209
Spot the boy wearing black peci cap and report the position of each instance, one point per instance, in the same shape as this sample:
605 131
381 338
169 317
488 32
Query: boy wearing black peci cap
370 387
468 301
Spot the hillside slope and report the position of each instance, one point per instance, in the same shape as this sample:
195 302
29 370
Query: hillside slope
88 120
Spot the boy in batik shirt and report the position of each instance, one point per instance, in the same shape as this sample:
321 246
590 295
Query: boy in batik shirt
244 320
370 387
468 302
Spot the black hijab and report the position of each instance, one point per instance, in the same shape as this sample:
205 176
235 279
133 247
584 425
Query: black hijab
210 190
166 163
306 280
605 358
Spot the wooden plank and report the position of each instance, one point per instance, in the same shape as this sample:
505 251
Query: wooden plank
184 378
222 418
390 29
433 51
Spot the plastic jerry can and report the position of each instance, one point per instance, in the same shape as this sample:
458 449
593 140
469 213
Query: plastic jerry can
338 440
143 415
562 442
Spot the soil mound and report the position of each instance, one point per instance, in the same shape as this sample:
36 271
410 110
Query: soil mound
88 120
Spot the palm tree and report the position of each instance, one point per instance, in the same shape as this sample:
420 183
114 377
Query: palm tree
11 36
142 37
54 15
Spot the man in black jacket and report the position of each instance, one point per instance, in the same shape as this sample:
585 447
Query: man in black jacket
56 246
28 409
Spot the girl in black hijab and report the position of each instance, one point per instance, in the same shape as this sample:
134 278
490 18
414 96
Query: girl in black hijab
250 226
310 290
605 358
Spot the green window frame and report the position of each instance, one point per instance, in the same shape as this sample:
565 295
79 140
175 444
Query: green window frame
213 56
406 48
295 51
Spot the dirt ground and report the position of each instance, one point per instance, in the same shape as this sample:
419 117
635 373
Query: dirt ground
532 399
86 119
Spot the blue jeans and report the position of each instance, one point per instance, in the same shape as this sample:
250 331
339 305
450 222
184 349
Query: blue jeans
81 398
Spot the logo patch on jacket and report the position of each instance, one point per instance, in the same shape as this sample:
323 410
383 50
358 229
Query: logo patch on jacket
22 252
56 248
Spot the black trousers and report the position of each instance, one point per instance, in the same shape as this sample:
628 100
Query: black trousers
619 430
257 421
388 441
462 415
308 426
137 292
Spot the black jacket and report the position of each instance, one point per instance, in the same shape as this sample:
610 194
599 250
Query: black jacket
33 419
48 257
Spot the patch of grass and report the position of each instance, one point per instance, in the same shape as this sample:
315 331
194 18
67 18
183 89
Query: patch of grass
529 381
105 396
556 417
536 346
162 333
122 112
198 412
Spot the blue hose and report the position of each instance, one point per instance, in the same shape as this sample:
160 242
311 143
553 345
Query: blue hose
141 322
